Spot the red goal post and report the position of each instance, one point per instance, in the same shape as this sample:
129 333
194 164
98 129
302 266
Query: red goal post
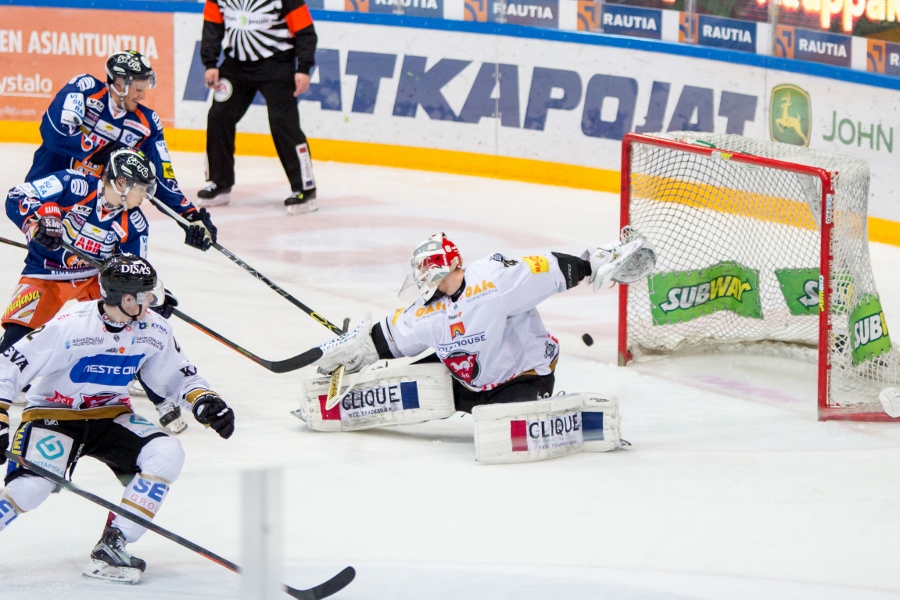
745 261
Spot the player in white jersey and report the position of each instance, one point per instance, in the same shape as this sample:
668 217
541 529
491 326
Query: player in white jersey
482 320
85 359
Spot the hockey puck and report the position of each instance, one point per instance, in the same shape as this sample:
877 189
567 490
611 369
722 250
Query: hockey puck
588 340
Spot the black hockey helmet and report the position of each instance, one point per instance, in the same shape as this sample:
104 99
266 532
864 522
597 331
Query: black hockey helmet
134 167
122 274
129 66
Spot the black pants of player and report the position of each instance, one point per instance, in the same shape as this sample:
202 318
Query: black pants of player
284 122
103 439
523 388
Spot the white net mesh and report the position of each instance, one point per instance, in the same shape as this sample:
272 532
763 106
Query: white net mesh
738 252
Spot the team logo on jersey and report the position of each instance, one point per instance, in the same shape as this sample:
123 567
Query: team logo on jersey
537 264
23 304
188 371
463 365
223 90
457 329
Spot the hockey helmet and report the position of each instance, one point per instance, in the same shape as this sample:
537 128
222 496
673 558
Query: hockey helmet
122 274
432 261
129 66
134 167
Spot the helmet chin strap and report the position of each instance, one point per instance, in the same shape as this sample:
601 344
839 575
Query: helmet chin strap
114 89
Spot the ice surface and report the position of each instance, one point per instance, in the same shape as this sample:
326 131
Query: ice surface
732 489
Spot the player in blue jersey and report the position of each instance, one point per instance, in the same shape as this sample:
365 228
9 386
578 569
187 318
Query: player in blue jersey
99 216
88 120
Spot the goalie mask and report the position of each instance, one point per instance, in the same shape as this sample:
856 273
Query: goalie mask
432 261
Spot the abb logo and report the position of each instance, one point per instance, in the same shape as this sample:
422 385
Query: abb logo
88 245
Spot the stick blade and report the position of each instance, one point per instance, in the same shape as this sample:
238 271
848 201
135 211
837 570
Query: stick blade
324 590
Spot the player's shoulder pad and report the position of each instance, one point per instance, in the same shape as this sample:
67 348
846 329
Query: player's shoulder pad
137 219
85 83
78 184
48 187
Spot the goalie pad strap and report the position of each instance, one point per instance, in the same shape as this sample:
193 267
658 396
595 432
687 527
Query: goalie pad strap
542 429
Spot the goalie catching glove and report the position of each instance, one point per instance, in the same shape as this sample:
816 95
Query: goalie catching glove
623 262
354 349
210 410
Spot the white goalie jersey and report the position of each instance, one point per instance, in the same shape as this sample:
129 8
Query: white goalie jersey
86 368
492 332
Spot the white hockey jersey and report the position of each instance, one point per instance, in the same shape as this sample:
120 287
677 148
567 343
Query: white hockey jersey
85 369
492 332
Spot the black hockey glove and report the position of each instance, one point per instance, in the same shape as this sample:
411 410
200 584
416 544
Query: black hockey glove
168 305
49 228
202 234
4 431
210 410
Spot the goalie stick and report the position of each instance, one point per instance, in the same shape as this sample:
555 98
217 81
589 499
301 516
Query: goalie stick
323 590
234 258
276 366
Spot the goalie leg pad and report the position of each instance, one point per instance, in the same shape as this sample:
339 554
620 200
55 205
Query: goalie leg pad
384 394
542 429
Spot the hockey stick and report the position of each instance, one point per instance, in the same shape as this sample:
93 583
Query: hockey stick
323 590
231 256
337 378
276 366
12 243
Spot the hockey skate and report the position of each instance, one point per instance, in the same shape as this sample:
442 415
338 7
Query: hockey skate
111 562
213 195
170 417
136 389
301 202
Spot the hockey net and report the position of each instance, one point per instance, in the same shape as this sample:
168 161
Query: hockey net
745 261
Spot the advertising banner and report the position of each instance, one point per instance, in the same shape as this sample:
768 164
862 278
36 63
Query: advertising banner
815 46
41 49
726 33
633 21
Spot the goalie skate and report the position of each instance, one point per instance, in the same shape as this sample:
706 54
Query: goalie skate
110 561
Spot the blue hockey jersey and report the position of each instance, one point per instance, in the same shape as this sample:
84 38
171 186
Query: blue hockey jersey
83 126
87 224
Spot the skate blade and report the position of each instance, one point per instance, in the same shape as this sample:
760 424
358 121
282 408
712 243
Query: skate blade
176 426
220 200
306 207
98 569
299 414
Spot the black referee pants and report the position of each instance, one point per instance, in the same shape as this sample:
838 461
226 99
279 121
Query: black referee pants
284 122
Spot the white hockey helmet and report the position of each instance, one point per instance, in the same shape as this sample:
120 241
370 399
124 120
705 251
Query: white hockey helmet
432 261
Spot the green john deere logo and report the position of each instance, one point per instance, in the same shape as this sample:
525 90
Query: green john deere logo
687 295
868 331
790 115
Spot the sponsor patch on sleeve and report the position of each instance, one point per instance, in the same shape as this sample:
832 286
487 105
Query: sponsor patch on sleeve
537 264
48 187
168 171
162 150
